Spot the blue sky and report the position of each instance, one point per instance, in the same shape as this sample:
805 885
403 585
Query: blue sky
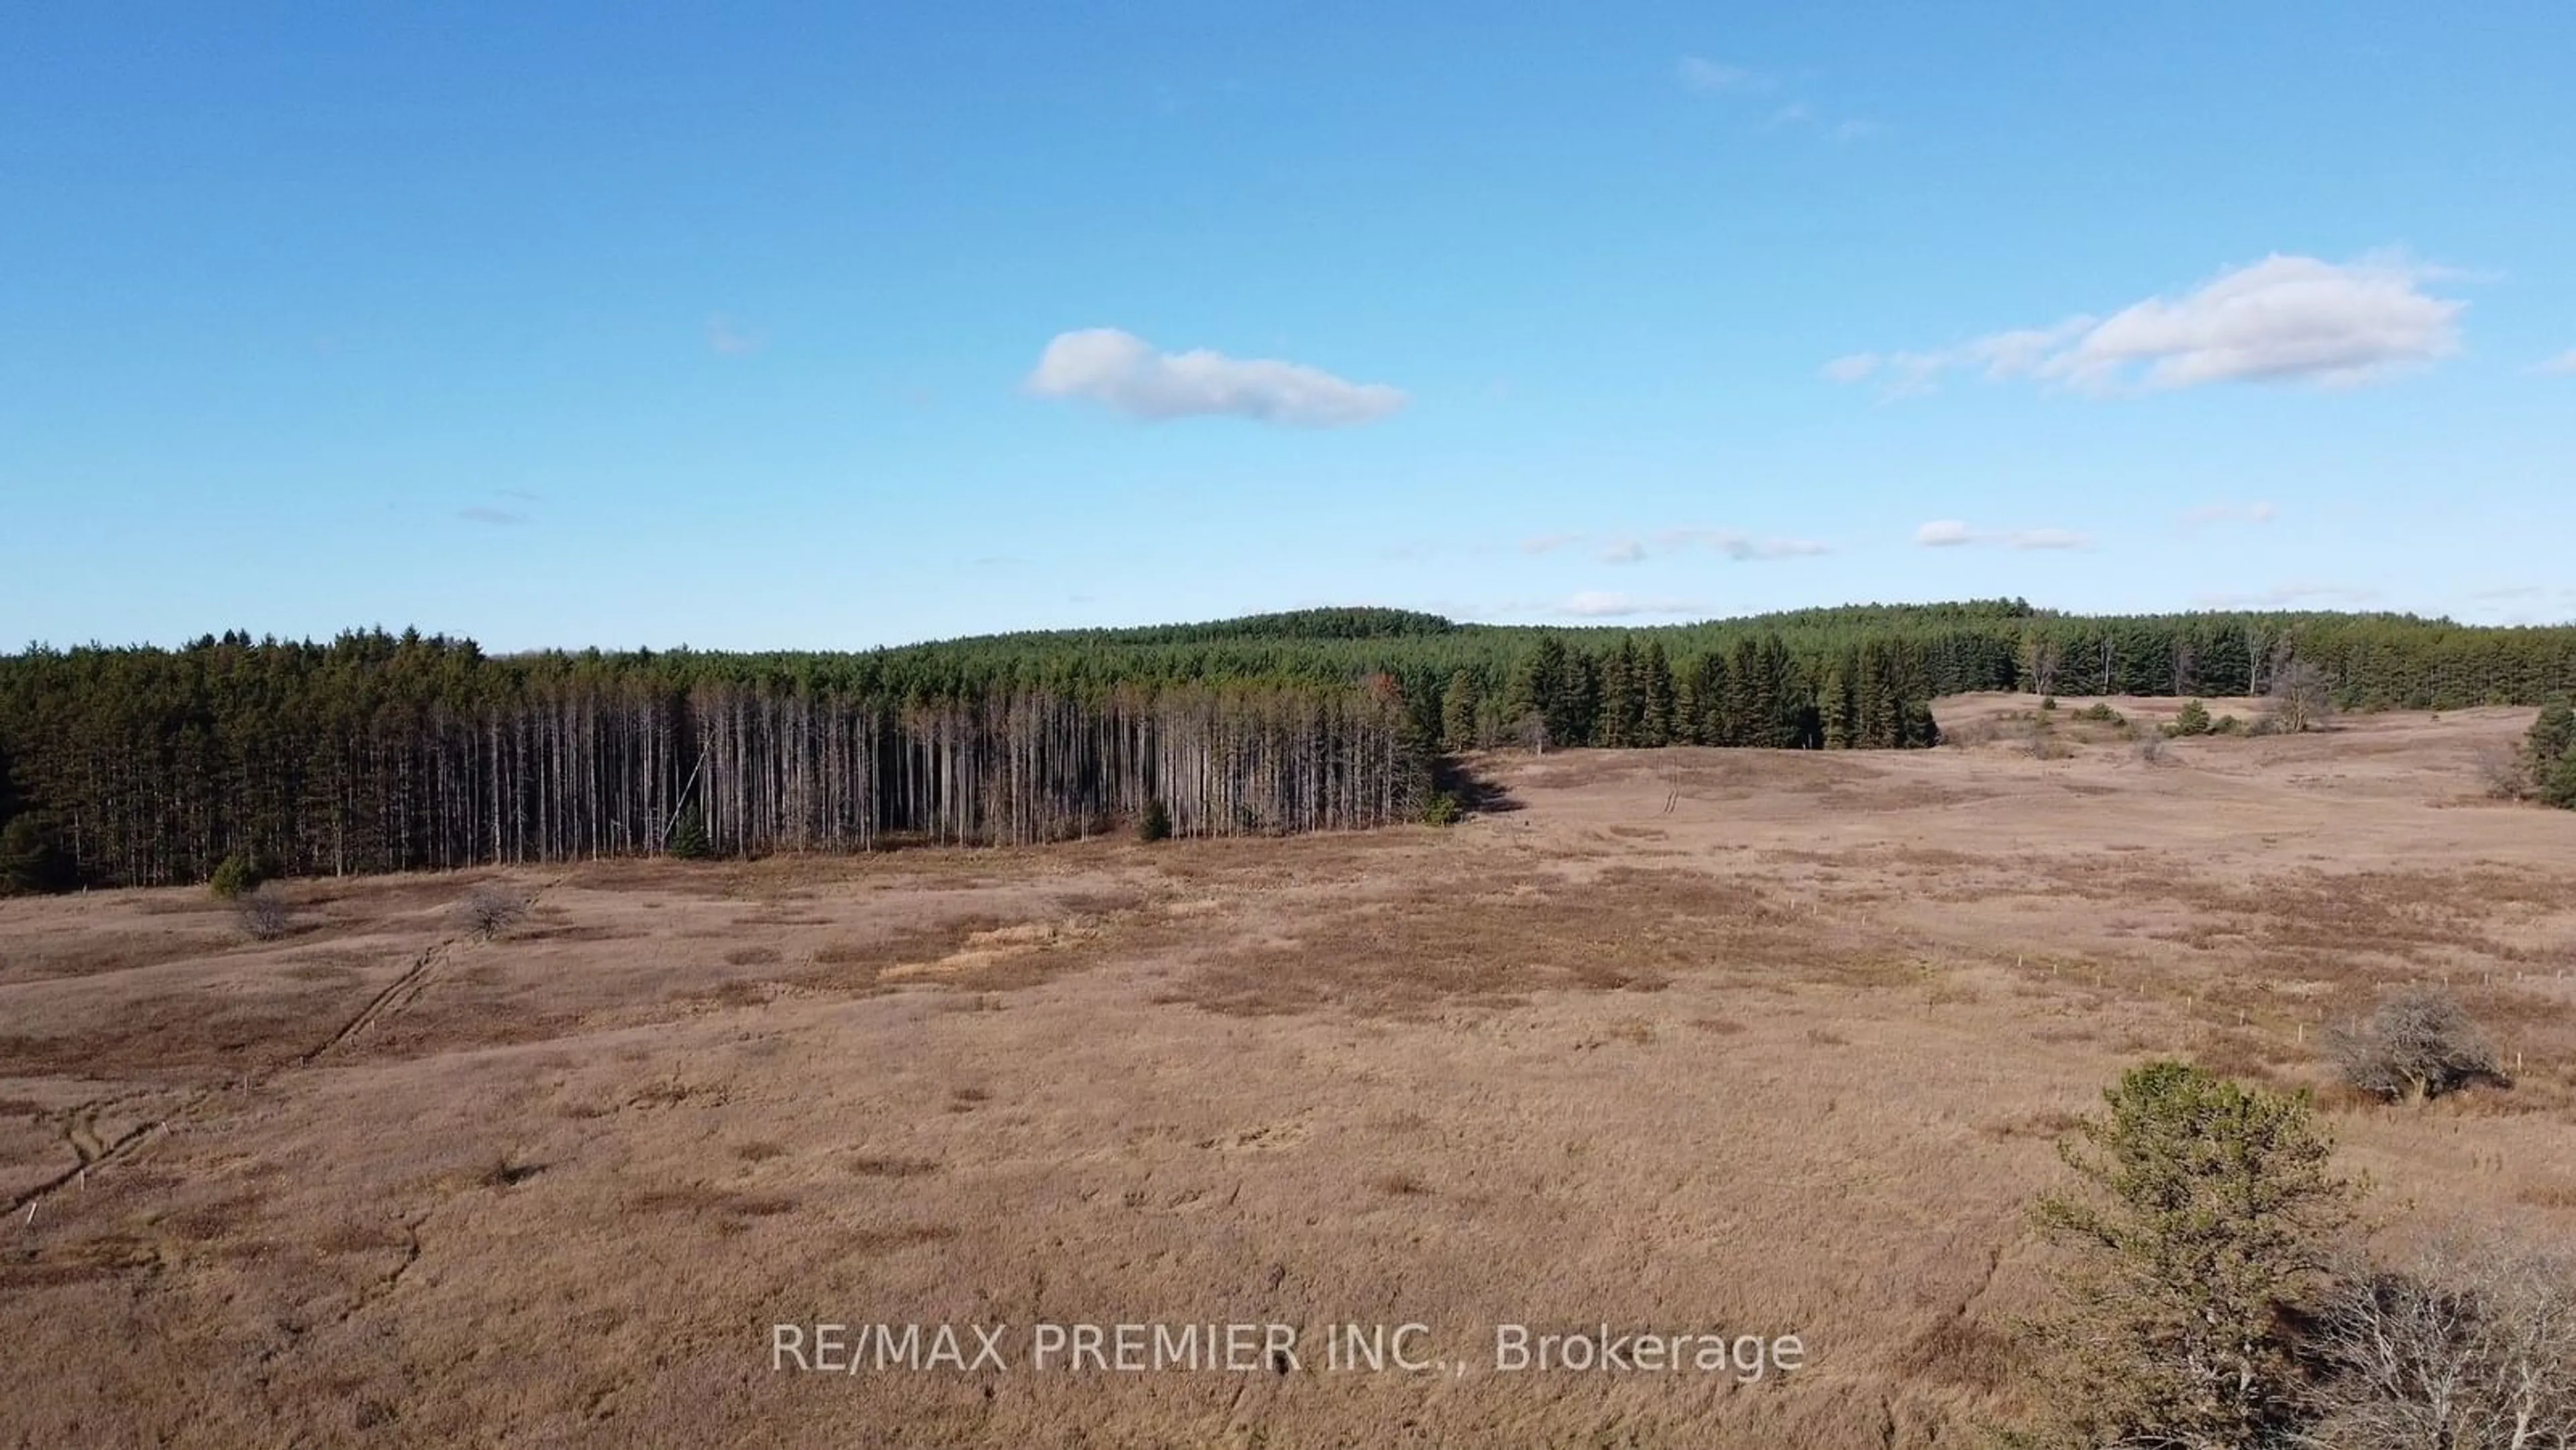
827 327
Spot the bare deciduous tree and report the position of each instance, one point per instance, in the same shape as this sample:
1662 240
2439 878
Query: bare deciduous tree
2419 1044
2301 697
2469 1344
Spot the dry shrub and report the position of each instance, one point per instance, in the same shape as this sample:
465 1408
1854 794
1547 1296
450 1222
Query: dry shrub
2041 740
2419 1044
2152 749
2469 1343
1981 731
264 915
488 911
2503 772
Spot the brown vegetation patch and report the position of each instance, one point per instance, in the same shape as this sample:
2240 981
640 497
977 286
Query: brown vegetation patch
1628 929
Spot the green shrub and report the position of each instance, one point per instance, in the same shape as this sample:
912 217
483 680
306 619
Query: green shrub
1442 810
2226 725
2558 787
2101 713
2552 738
2193 719
2048 702
235 875
689 837
1156 823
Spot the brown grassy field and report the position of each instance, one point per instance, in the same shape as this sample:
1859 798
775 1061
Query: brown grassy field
1742 1041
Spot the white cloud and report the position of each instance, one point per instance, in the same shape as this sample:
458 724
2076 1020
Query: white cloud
1952 533
1550 543
1622 551
1600 604
2281 319
1122 371
1702 74
2564 363
2230 513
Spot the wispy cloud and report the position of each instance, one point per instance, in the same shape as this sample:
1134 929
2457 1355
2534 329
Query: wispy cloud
1699 73
1633 549
1953 534
730 339
1743 548
2564 363
2230 513
1123 372
1702 74
1603 604
2283 319
501 518
2285 595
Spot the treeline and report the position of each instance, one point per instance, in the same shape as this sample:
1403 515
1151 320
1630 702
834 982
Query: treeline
376 753
2373 661
382 752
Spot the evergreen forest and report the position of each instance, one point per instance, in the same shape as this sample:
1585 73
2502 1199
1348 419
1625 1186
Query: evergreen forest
384 752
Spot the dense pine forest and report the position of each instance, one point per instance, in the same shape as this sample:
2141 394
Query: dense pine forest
378 752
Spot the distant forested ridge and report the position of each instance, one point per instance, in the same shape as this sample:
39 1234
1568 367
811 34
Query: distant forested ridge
381 752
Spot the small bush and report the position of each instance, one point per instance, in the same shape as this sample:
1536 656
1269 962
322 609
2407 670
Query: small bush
2553 735
264 915
2040 739
2151 749
490 910
2558 788
2549 755
689 837
1974 732
2193 719
2226 725
1156 823
2419 1044
2101 713
235 876
2504 772
2048 702
1442 810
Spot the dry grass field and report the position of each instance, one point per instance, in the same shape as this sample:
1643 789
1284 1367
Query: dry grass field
1741 1041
